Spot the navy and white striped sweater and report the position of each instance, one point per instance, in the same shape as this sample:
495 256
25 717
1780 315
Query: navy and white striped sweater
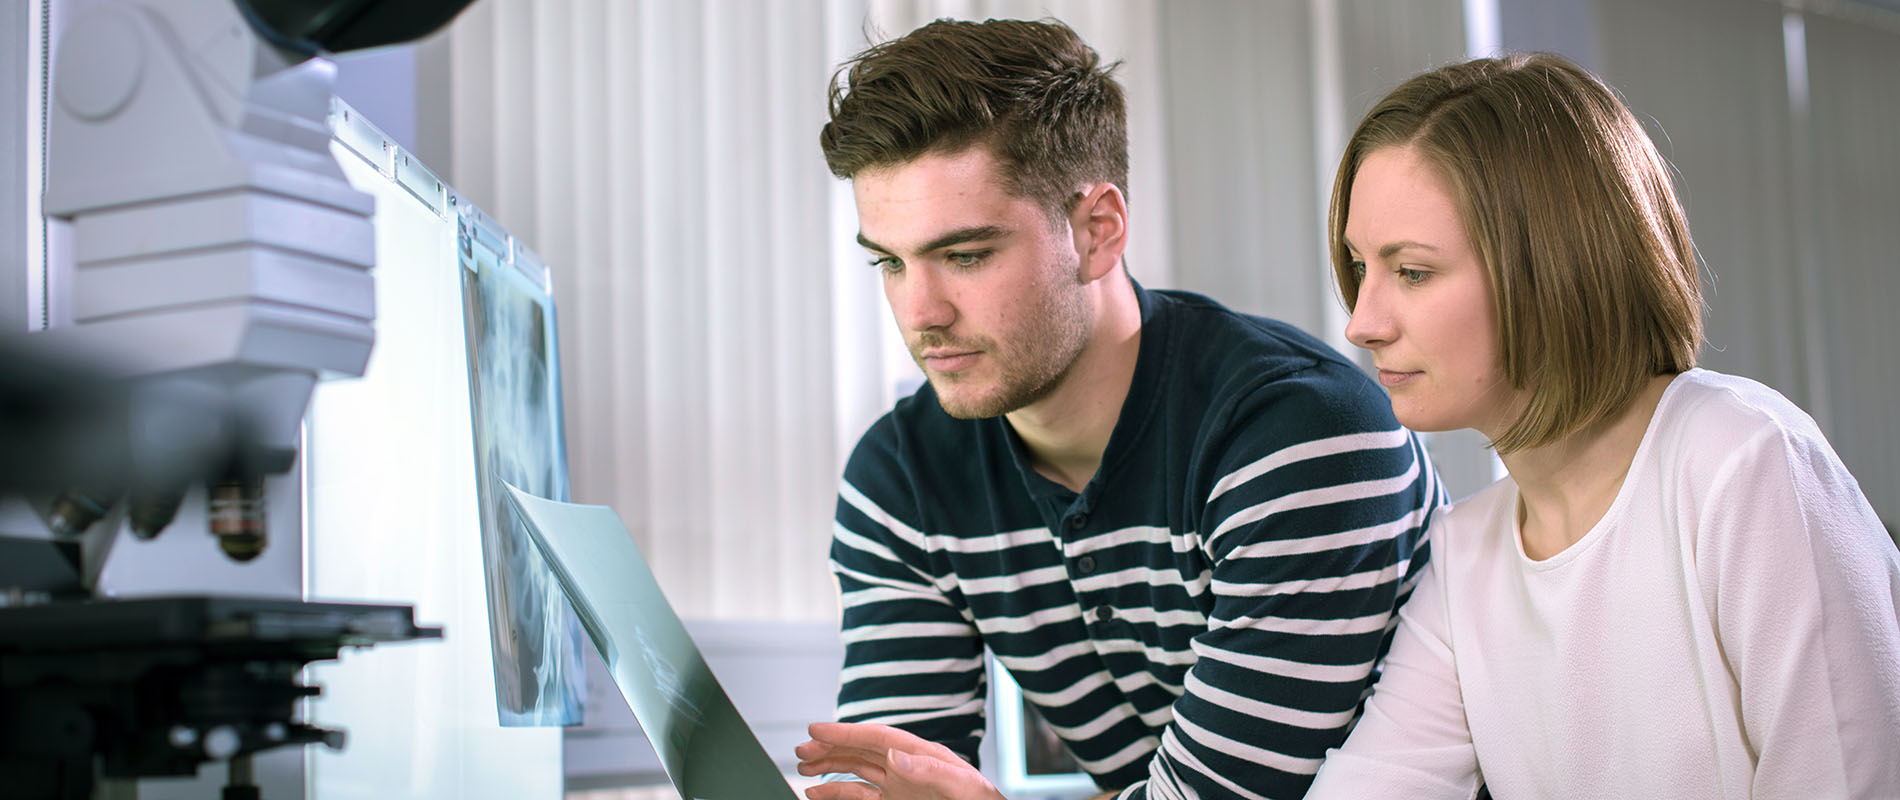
1202 620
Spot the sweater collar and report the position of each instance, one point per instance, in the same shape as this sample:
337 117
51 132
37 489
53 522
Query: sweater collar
1144 389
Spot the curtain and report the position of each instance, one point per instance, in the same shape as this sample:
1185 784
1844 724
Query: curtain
725 344
1780 123
663 157
1853 111
723 341
19 113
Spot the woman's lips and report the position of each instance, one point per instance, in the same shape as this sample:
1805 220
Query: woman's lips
1392 378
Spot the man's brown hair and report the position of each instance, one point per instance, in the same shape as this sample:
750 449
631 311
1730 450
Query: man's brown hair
1571 209
1033 93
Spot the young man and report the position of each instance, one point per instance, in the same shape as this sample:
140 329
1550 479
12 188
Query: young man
1184 531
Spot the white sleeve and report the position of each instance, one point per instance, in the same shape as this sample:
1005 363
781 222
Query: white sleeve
1413 741
1805 586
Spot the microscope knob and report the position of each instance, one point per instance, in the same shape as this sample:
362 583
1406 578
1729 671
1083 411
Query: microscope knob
106 59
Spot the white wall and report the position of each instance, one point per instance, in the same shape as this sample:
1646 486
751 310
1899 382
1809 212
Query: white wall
1237 109
676 176
19 124
1791 187
1854 72
392 517
663 157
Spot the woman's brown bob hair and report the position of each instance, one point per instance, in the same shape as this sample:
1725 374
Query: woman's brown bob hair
1572 211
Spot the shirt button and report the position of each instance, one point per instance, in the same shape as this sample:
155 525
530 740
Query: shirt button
1085 565
1104 613
1078 521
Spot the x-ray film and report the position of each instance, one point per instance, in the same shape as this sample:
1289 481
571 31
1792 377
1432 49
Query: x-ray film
705 747
515 396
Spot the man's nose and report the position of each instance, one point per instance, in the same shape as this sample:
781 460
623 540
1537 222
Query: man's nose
922 301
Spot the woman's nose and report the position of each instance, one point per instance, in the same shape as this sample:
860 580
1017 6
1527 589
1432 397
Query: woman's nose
1371 326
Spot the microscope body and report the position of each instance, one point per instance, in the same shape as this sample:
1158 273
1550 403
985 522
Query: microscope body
220 261
220 266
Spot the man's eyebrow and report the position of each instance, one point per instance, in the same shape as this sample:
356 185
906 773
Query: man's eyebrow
956 237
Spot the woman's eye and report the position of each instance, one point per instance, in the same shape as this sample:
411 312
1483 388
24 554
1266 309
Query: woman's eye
1413 277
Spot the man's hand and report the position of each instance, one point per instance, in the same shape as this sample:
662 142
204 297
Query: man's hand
898 765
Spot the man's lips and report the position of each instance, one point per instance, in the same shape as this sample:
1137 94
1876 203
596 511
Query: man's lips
950 360
1392 377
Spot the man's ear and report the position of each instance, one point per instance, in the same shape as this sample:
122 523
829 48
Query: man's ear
1100 223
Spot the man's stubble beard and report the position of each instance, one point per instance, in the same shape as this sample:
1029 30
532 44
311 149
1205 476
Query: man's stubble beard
1036 361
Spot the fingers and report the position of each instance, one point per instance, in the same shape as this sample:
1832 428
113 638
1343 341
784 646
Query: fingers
865 736
942 751
923 776
922 770
868 769
844 790
818 758
902 764
870 741
861 749
811 750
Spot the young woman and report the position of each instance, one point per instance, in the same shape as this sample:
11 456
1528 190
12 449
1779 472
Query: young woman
1679 591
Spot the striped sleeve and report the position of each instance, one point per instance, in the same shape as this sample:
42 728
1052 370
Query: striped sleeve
1314 530
913 658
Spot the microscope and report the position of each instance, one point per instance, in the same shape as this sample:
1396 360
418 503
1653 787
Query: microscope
220 267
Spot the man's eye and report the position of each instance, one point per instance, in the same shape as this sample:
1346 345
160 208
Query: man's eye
887 264
966 259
